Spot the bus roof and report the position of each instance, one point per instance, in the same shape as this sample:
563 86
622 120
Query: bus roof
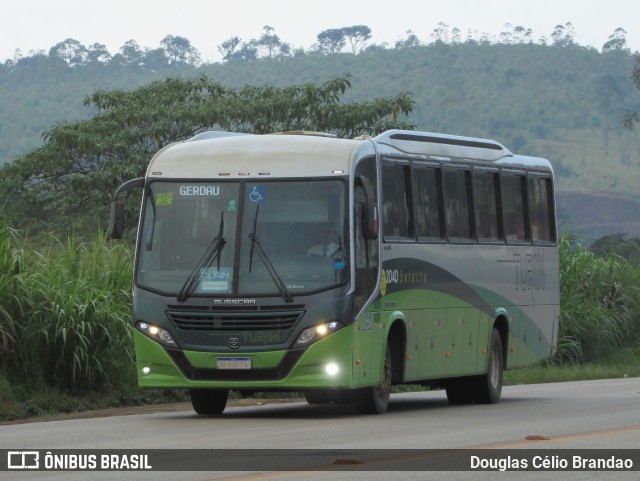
454 148
212 155
442 145
306 154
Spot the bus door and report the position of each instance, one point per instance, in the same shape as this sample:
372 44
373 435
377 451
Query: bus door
366 263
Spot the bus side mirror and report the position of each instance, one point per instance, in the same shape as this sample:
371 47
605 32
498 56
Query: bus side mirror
371 222
116 221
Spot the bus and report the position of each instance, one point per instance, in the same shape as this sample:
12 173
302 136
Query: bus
339 268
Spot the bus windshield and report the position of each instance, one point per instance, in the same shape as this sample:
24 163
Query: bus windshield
235 238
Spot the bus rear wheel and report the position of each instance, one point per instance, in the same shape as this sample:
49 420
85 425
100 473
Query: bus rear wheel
488 387
375 399
208 401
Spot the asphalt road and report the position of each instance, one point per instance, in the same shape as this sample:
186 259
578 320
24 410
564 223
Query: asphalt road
577 415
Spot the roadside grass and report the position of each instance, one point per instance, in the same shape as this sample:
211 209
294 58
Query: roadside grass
22 401
65 314
621 363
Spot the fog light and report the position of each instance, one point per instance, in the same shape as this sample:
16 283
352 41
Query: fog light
146 370
332 369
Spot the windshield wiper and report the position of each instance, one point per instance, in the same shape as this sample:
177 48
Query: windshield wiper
213 252
255 245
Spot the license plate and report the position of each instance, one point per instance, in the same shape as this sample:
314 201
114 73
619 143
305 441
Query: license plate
234 363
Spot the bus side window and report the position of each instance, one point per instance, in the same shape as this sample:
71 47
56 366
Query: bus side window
457 203
396 196
427 197
485 201
541 210
513 207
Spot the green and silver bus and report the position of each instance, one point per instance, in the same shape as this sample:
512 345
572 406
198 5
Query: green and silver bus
341 267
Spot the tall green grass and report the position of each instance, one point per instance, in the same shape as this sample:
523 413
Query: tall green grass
599 304
8 265
65 314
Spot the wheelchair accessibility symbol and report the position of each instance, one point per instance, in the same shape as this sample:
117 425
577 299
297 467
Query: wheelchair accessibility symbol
257 194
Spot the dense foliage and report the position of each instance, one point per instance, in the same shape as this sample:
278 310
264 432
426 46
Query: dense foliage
599 303
73 176
618 245
632 117
545 96
65 313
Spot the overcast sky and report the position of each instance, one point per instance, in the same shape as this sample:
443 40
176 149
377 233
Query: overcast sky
32 25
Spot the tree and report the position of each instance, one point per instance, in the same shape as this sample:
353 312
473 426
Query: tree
74 174
409 42
563 35
522 34
248 52
131 53
633 117
228 48
357 35
270 46
98 53
331 40
617 41
507 35
71 51
179 51
517 34
440 34
611 102
156 59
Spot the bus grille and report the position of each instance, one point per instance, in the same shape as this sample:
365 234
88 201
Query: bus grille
234 322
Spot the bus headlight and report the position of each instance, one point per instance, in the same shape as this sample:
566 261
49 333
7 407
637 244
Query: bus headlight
312 334
156 333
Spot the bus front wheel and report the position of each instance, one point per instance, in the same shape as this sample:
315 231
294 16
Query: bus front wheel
208 401
375 399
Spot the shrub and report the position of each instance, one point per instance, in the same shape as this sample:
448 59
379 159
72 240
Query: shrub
70 311
599 304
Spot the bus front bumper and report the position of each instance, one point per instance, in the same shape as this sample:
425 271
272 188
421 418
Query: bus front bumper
326 363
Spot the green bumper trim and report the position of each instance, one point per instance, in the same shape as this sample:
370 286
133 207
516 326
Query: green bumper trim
286 370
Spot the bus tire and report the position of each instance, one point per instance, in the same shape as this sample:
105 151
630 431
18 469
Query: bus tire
459 391
316 397
208 401
327 396
488 387
375 399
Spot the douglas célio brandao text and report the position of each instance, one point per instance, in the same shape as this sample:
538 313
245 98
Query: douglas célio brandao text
551 462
